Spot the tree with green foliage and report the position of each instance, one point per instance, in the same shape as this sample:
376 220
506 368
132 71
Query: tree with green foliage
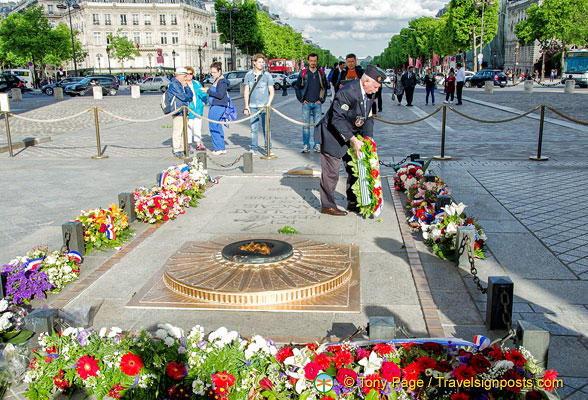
62 51
244 23
122 48
421 33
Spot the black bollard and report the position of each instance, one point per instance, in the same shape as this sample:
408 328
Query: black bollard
430 177
414 156
73 237
442 201
126 202
499 301
284 89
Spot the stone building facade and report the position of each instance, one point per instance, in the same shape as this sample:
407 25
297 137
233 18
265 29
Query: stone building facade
522 57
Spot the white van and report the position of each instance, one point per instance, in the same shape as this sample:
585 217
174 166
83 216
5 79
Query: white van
24 74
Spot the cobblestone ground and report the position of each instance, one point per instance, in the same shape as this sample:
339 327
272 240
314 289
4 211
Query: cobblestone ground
546 198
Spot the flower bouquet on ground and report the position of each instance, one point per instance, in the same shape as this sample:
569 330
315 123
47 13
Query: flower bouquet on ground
421 201
224 366
368 187
408 176
12 323
38 272
184 179
104 228
441 234
159 204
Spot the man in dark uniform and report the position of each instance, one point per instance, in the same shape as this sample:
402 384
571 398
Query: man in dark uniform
348 116
409 81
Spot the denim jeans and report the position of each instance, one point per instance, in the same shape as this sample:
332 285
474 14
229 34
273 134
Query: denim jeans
309 109
255 126
432 92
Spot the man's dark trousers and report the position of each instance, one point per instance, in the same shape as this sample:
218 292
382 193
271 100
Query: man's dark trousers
409 93
459 91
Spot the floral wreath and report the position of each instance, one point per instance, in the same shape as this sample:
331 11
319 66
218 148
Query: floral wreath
368 187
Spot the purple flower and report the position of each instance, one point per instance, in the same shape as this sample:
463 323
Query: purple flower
23 285
83 337
271 342
202 344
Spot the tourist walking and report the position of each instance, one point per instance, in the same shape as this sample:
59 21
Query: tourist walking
218 98
196 107
258 94
398 87
180 91
430 84
449 86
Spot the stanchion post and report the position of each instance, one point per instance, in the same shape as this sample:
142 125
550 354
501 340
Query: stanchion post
98 145
8 137
185 131
444 123
540 140
268 152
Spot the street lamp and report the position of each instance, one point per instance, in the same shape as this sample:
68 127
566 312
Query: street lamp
98 56
477 4
174 58
69 4
149 56
231 9
200 59
108 55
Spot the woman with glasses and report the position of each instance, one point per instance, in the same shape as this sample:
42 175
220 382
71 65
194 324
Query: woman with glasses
218 99
196 109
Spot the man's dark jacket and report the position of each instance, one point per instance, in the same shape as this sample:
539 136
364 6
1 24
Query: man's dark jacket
340 122
409 82
343 74
302 84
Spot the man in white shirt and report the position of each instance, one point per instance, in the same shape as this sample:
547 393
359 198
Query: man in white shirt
459 81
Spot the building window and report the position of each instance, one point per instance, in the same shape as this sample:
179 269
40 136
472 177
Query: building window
107 19
173 19
147 19
135 19
214 44
108 37
213 27
97 38
49 8
95 19
175 38
163 38
148 38
123 19
161 19
137 38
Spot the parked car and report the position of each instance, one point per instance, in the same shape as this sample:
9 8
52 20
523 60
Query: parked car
497 76
8 81
279 81
48 89
235 78
84 87
291 79
157 83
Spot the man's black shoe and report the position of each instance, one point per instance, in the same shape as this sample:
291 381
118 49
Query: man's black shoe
353 207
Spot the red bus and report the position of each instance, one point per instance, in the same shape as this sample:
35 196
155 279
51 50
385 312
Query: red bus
283 66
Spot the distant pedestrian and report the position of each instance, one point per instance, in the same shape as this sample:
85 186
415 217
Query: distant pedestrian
409 81
449 86
398 87
459 83
218 98
179 89
258 93
311 91
430 84
552 75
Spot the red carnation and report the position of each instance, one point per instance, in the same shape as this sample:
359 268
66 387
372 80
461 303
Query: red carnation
377 191
311 346
223 379
102 228
464 373
333 349
479 363
412 171
311 370
459 396
87 366
323 360
372 382
347 377
342 358
131 364
266 384
361 353
412 371
513 377
390 371
496 353
382 349
176 370
516 357
548 381
375 173
426 363
284 353
444 366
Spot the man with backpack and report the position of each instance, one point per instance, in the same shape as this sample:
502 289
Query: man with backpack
178 94
311 91
257 94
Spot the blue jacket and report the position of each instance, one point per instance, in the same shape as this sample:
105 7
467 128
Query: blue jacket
219 97
183 94
200 97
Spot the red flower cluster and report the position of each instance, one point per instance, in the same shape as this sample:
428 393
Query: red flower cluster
179 392
60 382
176 370
222 381
342 358
284 353
116 390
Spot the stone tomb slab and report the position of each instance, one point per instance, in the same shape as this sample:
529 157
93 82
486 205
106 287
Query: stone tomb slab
198 274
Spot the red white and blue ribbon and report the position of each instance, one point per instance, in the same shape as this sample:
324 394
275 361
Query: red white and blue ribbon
110 234
34 263
156 196
162 178
481 342
74 255
211 179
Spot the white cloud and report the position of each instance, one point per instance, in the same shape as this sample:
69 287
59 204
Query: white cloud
345 26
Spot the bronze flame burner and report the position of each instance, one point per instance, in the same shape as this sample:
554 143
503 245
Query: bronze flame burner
257 251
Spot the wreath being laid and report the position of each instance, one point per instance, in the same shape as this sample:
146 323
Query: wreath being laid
368 187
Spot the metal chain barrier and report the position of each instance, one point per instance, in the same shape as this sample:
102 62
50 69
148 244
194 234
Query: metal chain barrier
548 84
292 120
505 303
567 117
224 165
398 164
50 120
496 121
515 84
131 119
225 122
409 122
467 241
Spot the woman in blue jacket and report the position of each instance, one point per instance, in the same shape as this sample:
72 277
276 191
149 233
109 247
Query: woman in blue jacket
196 107
218 99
